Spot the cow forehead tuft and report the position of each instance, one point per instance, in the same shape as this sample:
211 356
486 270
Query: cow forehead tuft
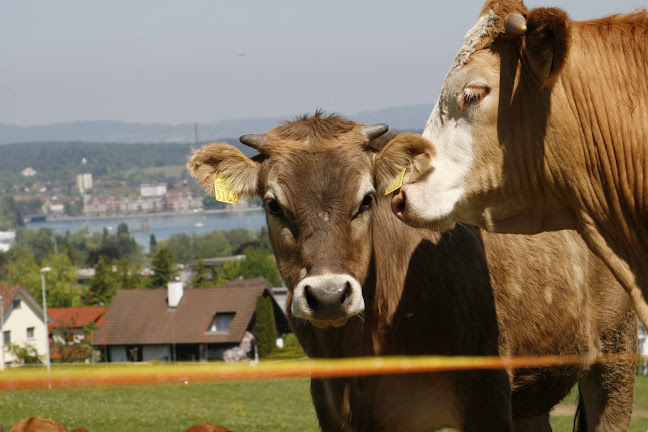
474 38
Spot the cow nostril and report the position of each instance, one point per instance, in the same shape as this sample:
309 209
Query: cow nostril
310 298
400 207
346 292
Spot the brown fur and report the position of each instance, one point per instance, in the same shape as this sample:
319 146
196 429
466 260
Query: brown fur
34 424
446 294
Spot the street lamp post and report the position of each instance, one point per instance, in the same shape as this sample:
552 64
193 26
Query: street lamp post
1 335
47 353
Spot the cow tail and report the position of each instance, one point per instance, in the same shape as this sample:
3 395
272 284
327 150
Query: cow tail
580 418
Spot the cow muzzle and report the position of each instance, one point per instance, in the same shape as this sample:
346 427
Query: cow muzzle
327 300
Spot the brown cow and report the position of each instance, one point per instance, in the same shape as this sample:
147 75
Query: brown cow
362 284
541 124
35 424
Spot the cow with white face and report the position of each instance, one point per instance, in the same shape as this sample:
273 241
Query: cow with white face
541 124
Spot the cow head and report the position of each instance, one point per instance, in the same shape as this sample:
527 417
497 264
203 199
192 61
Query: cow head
315 178
481 157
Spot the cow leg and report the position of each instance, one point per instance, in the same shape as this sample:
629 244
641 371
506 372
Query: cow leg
533 424
485 401
607 391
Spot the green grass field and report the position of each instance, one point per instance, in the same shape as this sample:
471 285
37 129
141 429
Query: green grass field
269 405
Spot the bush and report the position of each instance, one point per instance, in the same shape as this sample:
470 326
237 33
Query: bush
265 330
25 354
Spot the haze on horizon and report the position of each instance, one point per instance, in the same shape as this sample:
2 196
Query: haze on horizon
209 60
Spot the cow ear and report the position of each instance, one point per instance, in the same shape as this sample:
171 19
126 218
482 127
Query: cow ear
405 151
240 172
547 42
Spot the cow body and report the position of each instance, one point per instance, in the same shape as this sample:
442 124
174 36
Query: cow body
35 424
542 124
363 284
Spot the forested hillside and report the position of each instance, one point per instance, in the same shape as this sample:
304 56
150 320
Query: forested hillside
100 158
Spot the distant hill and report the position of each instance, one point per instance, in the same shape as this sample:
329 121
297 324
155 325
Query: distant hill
411 118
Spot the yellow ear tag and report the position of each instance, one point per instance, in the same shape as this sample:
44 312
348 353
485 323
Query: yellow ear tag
569 45
223 192
398 182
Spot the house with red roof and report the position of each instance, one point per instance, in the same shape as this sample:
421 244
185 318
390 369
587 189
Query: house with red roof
78 323
21 323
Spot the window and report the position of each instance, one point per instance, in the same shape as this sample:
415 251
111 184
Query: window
16 304
221 322
7 336
30 332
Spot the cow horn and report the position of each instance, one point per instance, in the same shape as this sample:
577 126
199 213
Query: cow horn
253 140
515 24
374 131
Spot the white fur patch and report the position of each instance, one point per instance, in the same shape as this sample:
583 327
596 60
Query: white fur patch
300 308
433 197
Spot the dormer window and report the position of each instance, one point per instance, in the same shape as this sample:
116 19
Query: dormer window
221 322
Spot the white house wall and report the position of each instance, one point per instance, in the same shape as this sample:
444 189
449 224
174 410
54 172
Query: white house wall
17 321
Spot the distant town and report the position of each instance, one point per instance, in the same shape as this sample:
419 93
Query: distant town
111 198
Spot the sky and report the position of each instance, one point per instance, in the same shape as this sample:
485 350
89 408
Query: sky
172 61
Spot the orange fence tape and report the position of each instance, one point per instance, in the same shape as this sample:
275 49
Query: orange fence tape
102 375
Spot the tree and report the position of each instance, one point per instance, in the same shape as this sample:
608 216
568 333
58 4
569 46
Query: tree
238 237
200 278
115 246
152 244
104 284
228 271
61 282
129 275
40 242
163 268
122 229
259 263
181 245
74 208
9 214
265 329
72 348
213 244
23 269
25 354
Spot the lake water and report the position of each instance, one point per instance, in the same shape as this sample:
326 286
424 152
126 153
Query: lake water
163 226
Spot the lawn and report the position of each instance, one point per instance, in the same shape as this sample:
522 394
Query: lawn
268 405
273 405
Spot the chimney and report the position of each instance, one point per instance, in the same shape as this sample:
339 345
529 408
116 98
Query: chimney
175 291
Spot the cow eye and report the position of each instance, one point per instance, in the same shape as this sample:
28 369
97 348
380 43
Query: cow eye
367 201
472 94
274 208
